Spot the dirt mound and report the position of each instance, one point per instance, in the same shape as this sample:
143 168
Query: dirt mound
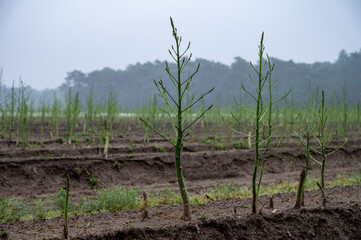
46 175
336 223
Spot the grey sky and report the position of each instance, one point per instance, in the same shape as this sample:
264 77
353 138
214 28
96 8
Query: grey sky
41 40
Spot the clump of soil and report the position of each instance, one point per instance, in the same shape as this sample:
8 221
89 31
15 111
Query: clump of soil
222 219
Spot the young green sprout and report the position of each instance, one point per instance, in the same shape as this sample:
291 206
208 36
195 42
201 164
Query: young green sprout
174 106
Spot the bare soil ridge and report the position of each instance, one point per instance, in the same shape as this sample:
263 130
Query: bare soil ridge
222 219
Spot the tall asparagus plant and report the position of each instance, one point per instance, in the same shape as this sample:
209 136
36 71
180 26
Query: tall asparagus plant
265 124
174 105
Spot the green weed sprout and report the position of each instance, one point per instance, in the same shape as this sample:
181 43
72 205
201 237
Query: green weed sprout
173 106
264 126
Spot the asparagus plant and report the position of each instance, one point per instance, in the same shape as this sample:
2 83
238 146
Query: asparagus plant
22 113
10 105
344 112
3 111
174 106
111 109
324 138
264 127
300 201
358 121
90 109
55 112
106 146
72 111
43 110
66 205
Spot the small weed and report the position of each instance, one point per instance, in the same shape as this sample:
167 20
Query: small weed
239 145
120 135
221 147
75 142
4 235
202 217
117 164
131 155
60 140
92 181
130 222
161 149
88 140
78 171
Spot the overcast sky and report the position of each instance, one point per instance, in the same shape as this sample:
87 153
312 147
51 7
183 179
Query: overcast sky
42 40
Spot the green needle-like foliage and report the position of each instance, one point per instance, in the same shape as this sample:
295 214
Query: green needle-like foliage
174 106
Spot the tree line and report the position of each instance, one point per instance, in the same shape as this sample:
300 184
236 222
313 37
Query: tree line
134 85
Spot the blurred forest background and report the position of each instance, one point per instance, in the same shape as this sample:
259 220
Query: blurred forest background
134 85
